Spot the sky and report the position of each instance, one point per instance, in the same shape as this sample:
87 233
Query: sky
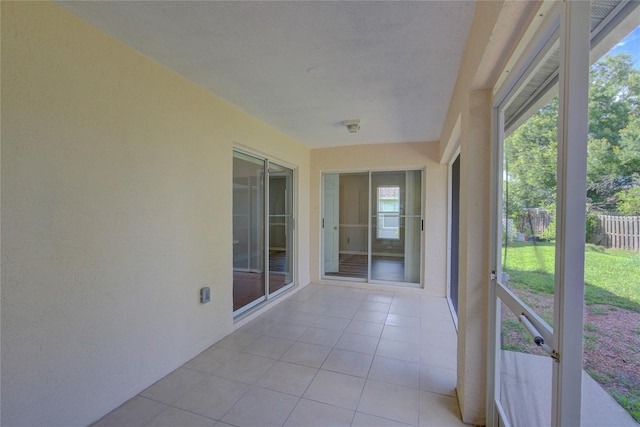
631 45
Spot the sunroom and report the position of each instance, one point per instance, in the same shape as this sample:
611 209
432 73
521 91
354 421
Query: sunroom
217 195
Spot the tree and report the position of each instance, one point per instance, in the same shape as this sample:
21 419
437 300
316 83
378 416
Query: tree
629 201
614 130
530 161
613 162
614 93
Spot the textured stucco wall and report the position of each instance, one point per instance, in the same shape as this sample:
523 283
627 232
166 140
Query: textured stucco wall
116 210
419 155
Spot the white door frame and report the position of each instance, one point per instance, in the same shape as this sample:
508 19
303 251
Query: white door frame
573 34
455 157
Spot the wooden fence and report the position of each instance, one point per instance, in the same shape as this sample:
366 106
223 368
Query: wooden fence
619 232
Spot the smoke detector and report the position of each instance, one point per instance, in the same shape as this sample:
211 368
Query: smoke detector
353 126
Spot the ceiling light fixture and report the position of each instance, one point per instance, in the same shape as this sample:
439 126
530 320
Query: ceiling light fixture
353 126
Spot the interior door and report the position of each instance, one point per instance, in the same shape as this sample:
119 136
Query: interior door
331 222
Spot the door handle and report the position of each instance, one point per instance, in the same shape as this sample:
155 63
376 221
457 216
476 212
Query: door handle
335 227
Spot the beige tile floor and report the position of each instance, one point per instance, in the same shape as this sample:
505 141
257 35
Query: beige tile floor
327 356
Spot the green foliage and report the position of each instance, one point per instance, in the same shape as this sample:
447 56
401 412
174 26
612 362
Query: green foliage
549 232
513 327
613 96
530 161
590 327
603 378
613 162
598 311
614 129
592 226
590 341
629 201
630 144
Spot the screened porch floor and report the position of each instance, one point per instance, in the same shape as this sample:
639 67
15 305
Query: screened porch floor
327 356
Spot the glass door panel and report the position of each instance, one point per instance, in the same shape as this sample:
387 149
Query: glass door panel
412 221
345 222
396 226
387 232
331 223
529 206
280 227
526 268
248 231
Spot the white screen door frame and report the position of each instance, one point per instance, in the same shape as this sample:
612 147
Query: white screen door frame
569 26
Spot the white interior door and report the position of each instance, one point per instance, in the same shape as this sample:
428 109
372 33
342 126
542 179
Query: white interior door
331 222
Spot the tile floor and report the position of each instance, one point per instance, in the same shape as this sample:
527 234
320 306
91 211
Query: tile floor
327 356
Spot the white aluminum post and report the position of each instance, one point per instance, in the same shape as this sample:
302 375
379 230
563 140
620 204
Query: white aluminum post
493 359
570 220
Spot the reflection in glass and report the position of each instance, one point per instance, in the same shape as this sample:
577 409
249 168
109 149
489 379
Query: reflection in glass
248 230
280 227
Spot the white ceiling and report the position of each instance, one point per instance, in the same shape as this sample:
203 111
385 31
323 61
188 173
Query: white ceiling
303 67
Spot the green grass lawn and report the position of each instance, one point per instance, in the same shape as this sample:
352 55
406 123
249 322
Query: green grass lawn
612 277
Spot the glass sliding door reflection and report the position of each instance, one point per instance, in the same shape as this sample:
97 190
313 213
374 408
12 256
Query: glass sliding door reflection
396 226
248 231
280 227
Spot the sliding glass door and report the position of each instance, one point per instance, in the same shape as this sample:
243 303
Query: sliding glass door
248 230
262 231
280 227
372 226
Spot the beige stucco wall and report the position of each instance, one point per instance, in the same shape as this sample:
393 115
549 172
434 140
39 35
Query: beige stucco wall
468 128
116 210
419 155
